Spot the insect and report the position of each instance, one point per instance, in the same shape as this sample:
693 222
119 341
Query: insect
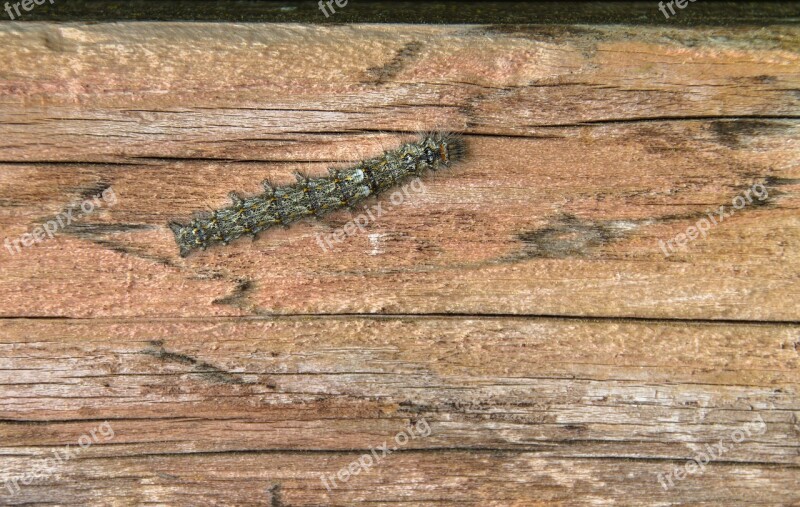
316 196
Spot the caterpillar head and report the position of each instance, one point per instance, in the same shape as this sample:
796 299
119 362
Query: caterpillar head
442 148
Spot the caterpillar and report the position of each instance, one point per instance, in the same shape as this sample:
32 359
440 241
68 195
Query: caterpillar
317 196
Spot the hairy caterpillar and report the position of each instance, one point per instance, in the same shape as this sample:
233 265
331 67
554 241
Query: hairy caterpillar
312 196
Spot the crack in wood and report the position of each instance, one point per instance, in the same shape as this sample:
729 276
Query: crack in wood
202 368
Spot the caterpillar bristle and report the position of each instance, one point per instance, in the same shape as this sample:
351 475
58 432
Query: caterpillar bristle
175 227
236 199
316 196
456 146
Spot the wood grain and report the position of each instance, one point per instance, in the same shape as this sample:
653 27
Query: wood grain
521 304
581 161
508 393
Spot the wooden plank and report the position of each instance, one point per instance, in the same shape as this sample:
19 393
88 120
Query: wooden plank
544 380
248 400
587 148
415 478
521 307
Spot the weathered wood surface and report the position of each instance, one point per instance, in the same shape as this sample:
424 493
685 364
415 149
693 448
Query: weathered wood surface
521 305
587 147
512 404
